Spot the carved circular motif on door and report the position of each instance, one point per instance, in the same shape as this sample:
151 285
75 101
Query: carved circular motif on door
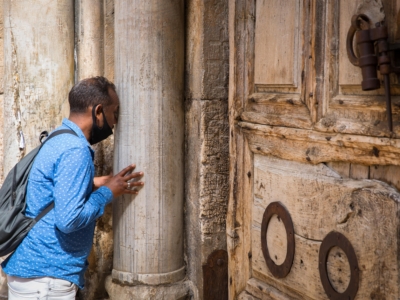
339 240
277 208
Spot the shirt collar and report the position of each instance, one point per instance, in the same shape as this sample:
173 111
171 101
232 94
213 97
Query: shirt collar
78 131
74 127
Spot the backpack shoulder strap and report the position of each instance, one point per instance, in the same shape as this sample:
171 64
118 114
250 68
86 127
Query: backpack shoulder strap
51 205
44 212
58 132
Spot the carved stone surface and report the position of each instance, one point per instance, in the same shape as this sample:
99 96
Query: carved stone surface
207 135
207 182
214 159
207 50
215 49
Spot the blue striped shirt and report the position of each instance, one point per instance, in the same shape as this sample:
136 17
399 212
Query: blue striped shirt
59 244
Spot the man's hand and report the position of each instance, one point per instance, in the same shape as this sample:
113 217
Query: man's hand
121 183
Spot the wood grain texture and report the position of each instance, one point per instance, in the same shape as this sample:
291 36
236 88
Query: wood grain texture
342 168
238 227
276 65
388 174
264 290
273 70
314 147
359 171
246 296
338 269
276 240
311 193
241 167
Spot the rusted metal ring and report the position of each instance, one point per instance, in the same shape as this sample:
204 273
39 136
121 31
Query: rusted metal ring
331 240
277 208
355 26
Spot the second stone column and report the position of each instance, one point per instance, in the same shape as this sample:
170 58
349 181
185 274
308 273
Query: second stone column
149 66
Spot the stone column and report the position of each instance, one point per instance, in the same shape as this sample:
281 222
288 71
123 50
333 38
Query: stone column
39 71
89 38
149 73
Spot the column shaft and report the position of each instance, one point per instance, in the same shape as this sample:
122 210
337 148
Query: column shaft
89 38
39 71
149 64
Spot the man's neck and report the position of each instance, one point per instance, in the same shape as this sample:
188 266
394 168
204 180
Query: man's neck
83 121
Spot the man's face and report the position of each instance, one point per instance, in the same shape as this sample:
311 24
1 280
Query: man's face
111 111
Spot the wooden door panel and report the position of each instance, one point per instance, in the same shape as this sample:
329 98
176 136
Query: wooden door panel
278 64
296 104
277 48
298 66
344 107
320 201
348 75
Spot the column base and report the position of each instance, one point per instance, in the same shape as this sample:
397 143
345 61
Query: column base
177 291
148 279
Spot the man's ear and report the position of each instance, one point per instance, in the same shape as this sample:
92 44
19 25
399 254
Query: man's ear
98 109
98 112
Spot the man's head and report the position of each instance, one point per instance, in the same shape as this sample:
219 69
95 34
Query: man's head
90 92
96 97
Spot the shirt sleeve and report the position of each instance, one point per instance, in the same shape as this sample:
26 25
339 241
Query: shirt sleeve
75 205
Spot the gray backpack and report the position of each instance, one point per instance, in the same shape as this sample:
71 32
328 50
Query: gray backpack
14 225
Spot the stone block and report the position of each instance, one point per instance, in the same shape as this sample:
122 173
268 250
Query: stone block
207 66
207 172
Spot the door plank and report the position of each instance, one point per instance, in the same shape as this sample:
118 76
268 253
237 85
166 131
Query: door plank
359 171
319 201
388 174
277 63
342 168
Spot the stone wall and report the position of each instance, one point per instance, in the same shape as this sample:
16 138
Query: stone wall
100 258
207 139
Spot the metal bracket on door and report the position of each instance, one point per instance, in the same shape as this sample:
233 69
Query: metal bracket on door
373 48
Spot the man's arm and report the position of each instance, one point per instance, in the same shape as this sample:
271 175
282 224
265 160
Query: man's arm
75 207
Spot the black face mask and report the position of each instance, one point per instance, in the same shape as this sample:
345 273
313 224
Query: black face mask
98 134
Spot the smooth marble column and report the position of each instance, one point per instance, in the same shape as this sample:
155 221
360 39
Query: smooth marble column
149 75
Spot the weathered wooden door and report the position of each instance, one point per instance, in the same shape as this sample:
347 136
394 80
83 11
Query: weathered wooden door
313 211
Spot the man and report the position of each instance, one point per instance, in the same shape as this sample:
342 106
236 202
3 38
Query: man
51 261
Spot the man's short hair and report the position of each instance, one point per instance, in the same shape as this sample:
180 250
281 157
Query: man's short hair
90 92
